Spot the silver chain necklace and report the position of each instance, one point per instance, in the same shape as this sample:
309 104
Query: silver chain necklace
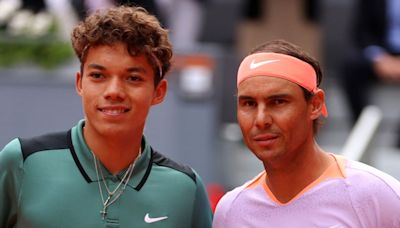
125 179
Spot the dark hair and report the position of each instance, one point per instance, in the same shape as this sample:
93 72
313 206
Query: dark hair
134 26
284 47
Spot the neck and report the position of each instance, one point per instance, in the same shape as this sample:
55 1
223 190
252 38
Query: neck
115 153
286 181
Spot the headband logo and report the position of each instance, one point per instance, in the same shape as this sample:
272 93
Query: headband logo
254 65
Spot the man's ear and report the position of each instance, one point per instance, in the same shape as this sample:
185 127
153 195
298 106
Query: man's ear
160 92
78 83
316 103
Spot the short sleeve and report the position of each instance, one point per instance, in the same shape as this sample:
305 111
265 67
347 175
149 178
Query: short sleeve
202 215
10 174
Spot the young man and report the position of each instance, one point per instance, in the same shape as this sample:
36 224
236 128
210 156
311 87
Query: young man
103 172
279 104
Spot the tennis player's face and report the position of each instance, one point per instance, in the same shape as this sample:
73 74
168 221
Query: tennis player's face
117 91
274 117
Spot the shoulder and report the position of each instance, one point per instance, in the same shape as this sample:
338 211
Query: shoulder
182 180
374 194
227 202
50 141
228 199
19 149
367 177
175 168
10 155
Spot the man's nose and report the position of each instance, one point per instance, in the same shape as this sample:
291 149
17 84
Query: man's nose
263 118
115 89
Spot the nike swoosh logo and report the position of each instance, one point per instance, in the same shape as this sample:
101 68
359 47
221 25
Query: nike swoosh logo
254 65
148 219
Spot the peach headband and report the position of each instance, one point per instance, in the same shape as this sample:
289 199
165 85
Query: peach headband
281 66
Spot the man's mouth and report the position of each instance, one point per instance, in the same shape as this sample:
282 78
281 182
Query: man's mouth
265 137
113 110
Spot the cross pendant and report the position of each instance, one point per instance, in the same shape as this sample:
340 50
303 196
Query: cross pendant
103 213
105 205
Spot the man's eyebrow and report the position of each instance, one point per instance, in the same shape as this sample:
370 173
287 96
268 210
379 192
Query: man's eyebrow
244 97
274 96
281 95
96 66
136 69
129 69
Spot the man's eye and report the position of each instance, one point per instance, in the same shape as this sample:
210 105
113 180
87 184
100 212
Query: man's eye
279 101
96 75
134 78
249 103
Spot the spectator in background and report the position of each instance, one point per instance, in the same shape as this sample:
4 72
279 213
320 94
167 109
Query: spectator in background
183 18
82 7
279 104
29 18
376 57
35 6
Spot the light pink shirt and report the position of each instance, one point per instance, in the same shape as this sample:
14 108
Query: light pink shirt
347 194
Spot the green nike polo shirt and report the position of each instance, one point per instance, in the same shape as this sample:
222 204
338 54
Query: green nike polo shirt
51 181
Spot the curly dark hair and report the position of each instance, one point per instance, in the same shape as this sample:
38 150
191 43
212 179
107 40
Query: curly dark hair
134 26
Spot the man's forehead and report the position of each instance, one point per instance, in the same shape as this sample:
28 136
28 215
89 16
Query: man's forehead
267 87
266 84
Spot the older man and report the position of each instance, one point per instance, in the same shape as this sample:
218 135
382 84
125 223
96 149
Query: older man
279 104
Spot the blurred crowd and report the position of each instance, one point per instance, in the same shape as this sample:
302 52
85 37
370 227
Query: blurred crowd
183 18
376 54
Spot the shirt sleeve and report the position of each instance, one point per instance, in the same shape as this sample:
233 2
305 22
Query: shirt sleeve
373 52
202 215
222 218
10 173
220 211
375 196
388 198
